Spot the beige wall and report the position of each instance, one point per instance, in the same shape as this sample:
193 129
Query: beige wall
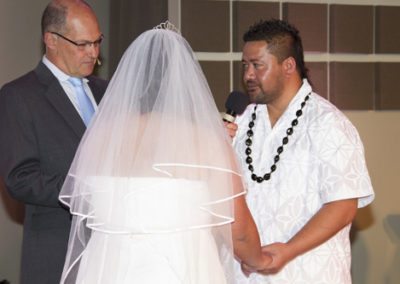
20 51
376 244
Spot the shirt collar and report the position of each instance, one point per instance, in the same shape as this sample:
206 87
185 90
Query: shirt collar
295 103
304 90
60 75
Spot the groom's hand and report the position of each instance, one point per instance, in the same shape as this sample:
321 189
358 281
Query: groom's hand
281 255
264 263
231 129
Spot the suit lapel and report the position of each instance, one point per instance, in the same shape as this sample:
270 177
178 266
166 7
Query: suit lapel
96 91
60 101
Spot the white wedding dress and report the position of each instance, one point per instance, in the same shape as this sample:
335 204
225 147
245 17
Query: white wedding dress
132 241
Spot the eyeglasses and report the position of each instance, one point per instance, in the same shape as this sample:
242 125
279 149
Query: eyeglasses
83 44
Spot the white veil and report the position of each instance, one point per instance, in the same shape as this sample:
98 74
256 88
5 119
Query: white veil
157 120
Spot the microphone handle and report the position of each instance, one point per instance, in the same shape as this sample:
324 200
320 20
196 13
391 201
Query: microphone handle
229 116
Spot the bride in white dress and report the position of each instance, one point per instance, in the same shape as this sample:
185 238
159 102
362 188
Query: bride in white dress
153 185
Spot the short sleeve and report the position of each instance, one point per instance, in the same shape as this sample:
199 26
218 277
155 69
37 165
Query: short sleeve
343 170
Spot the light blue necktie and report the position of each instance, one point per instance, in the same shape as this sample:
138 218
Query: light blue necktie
85 105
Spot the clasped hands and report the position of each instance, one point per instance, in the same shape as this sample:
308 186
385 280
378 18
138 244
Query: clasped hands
274 257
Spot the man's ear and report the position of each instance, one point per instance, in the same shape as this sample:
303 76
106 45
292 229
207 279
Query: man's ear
289 65
50 40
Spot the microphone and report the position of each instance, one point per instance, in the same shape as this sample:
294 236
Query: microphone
98 61
235 104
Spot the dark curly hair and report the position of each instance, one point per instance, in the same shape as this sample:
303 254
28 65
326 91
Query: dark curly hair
283 41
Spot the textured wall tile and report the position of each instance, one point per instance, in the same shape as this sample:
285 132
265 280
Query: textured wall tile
351 29
318 72
352 85
205 25
387 86
387 29
246 14
238 76
311 21
217 74
127 22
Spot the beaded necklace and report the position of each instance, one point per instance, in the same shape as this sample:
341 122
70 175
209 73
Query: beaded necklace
285 140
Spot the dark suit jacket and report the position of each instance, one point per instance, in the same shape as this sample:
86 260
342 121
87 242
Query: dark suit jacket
39 133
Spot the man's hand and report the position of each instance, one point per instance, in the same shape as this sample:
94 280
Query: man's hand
231 129
281 255
277 255
261 266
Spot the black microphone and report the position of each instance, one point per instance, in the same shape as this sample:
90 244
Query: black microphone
235 104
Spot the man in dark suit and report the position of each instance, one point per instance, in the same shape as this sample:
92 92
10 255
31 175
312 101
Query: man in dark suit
41 123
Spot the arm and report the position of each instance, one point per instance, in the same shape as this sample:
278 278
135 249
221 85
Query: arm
246 240
329 220
20 161
337 134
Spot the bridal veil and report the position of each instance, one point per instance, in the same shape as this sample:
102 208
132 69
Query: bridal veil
157 123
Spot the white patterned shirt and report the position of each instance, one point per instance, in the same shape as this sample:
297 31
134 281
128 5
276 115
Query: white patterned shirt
323 162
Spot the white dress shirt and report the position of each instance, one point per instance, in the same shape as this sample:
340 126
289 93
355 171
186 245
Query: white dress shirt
323 162
67 86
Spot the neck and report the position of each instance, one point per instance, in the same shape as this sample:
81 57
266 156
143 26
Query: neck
277 107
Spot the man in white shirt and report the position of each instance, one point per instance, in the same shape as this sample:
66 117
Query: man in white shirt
303 163
41 124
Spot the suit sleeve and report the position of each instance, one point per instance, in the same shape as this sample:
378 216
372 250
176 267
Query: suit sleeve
20 161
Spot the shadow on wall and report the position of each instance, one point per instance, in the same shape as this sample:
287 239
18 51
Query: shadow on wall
13 208
391 224
360 259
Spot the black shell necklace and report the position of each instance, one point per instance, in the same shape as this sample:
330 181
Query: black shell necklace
285 140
